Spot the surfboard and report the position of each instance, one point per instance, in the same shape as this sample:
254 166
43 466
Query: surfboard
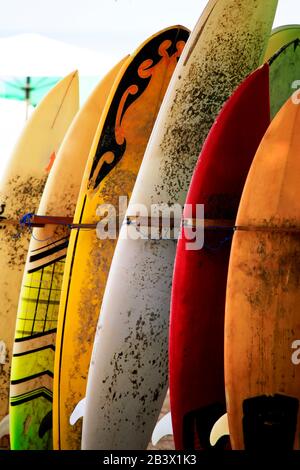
198 399
200 276
199 284
280 37
284 73
20 191
129 368
262 376
34 347
112 167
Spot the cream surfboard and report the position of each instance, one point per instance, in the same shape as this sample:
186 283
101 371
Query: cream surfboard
33 353
20 191
129 368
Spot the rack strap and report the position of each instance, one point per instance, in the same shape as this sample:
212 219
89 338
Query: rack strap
33 220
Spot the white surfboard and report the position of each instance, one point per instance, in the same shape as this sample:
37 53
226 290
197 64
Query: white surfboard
128 373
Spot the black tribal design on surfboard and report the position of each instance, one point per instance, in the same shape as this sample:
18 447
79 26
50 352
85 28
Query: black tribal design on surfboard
112 143
2 210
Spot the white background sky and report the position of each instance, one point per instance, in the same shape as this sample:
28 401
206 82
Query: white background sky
113 28
110 24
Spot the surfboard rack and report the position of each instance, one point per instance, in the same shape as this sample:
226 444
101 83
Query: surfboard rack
172 223
39 221
212 224
153 222
32 220
209 224
42 220
269 229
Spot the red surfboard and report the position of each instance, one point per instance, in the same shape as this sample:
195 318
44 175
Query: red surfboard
197 389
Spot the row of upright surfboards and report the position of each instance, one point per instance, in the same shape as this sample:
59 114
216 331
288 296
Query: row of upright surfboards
140 135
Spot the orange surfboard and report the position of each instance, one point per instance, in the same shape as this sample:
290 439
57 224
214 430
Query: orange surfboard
262 322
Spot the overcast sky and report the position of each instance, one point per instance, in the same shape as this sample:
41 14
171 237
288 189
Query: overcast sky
110 24
112 27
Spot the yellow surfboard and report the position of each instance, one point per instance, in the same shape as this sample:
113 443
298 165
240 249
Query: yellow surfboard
33 354
111 171
20 191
